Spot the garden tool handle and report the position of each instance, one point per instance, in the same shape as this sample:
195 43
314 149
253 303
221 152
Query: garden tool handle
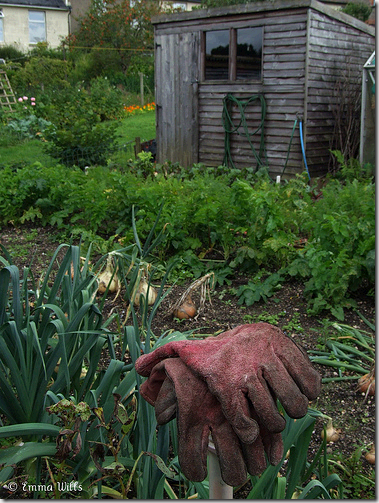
218 489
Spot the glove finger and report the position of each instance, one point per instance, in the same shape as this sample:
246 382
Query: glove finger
229 452
273 445
285 389
166 403
195 408
272 442
254 456
236 410
300 368
192 449
264 404
150 389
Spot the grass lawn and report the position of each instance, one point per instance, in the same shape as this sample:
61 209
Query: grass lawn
25 151
141 124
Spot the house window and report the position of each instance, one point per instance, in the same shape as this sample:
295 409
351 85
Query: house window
1 26
179 5
234 54
37 27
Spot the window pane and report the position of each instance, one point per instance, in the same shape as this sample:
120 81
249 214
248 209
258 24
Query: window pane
249 53
37 28
217 55
1 30
36 16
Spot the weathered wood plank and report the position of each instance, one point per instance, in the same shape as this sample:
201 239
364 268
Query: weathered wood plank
283 36
287 66
287 43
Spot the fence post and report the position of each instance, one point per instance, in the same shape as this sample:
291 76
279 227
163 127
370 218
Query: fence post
137 146
141 88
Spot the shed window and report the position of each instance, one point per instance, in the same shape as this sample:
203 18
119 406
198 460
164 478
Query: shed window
234 54
1 28
217 55
37 27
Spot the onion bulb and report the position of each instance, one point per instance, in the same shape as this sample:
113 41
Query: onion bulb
144 289
332 435
366 383
370 456
186 310
106 277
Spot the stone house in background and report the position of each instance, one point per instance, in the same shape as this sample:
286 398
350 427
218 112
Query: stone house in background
24 23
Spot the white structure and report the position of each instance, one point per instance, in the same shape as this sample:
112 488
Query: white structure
367 144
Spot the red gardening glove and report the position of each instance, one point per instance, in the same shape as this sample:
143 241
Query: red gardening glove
175 391
247 368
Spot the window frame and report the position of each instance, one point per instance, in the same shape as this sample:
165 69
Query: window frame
1 26
31 22
232 55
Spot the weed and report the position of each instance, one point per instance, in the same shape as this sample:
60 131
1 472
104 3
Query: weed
358 481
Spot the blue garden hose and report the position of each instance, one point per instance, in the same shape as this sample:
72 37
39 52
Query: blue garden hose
302 147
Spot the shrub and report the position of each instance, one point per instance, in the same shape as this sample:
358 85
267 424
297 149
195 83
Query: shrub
40 75
10 52
105 99
77 136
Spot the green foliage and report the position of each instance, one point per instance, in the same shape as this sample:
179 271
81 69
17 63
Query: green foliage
105 99
40 327
351 169
349 350
40 74
28 127
359 10
257 290
295 475
11 53
143 165
356 483
273 219
120 27
77 136
342 240
213 221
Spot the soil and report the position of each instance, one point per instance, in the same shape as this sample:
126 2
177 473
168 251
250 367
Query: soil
353 413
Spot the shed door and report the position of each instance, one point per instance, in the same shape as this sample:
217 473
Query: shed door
176 94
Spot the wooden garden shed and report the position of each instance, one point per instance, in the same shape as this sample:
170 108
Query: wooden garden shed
242 80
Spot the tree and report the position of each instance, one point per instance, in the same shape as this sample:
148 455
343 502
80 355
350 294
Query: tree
358 10
121 26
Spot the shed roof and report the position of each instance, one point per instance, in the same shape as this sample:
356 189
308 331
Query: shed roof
262 7
44 4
